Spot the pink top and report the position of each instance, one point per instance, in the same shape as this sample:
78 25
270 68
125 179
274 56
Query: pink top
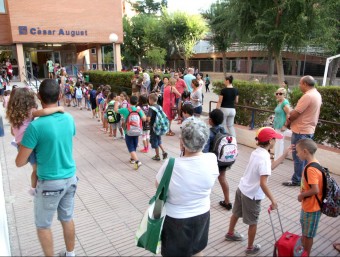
19 132
180 86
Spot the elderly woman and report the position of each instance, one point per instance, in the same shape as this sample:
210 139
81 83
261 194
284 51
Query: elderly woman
186 225
281 114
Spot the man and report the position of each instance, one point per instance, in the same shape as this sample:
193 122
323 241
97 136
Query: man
188 78
51 138
181 87
302 121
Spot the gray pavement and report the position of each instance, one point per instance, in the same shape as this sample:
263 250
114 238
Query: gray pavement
112 197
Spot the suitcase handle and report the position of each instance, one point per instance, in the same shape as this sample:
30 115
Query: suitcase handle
271 221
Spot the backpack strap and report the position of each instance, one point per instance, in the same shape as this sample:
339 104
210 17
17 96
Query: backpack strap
324 179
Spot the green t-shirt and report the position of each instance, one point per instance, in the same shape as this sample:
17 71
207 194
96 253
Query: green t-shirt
280 115
125 113
51 137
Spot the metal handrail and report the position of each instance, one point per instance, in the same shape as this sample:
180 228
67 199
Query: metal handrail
255 109
30 77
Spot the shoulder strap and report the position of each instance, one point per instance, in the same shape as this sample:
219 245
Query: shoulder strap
162 189
324 179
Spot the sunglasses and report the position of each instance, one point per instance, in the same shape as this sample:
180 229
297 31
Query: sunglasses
278 93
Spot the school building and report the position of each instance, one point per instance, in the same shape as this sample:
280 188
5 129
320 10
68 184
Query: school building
74 34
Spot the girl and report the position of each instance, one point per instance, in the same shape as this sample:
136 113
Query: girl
102 108
21 110
196 98
99 97
124 100
113 100
79 95
143 104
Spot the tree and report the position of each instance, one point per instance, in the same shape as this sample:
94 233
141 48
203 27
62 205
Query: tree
219 18
148 6
156 56
183 31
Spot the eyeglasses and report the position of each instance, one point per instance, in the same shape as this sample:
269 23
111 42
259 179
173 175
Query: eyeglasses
278 93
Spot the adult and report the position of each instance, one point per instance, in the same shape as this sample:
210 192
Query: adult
186 225
145 88
281 113
302 121
135 89
158 89
200 80
285 86
169 97
9 69
50 68
207 83
196 98
188 78
181 87
226 102
56 169
63 78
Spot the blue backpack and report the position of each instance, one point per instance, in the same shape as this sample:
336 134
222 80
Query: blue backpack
161 124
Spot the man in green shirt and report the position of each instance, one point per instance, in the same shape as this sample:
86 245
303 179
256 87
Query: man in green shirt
51 137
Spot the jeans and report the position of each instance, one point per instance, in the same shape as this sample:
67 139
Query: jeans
298 164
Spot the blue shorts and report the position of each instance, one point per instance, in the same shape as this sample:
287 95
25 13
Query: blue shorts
68 96
309 223
54 196
198 110
155 140
131 143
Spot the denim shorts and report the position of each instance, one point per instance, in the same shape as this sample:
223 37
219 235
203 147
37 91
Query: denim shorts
54 196
155 140
117 125
185 237
131 143
309 223
198 110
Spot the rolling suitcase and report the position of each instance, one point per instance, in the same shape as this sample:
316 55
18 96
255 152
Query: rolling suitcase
289 244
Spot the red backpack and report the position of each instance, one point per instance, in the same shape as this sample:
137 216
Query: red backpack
133 123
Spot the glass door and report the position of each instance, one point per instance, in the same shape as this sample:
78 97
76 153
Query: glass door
28 64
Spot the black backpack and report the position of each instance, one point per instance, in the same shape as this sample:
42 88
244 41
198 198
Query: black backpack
112 116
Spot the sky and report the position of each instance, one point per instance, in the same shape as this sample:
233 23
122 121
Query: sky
190 6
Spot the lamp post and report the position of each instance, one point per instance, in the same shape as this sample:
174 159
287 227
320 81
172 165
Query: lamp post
113 39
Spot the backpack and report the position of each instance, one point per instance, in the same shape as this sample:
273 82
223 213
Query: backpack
67 89
112 116
161 125
330 202
133 123
79 92
225 148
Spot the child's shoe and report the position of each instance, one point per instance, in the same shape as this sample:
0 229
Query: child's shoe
115 138
145 150
253 250
122 137
132 161
165 155
156 158
137 164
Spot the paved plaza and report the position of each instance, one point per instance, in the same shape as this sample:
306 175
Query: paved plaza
112 197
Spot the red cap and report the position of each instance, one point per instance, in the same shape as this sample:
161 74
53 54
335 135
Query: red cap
266 133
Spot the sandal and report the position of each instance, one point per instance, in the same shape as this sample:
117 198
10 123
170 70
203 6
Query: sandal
337 246
228 206
170 133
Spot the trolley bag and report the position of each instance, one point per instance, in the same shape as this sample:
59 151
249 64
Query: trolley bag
289 244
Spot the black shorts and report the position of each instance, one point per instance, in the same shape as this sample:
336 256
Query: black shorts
93 105
185 237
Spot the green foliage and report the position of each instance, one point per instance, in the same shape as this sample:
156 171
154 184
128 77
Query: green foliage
156 56
262 96
148 6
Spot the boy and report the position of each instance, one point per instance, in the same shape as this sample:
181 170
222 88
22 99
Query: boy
310 212
131 141
155 140
253 188
215 121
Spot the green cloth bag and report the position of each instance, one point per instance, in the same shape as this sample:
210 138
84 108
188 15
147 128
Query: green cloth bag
148 235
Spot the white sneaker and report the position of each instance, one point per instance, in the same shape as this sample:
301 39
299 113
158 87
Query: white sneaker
137 164
115 138
122 137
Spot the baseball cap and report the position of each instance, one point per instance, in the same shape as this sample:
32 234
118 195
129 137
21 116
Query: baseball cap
264 134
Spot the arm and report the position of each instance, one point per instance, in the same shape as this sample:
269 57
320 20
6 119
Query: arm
286 109
236 99
314 190
22 156
220 99
176 91
115 107
12 131
47 111
281 158
267 192
293 115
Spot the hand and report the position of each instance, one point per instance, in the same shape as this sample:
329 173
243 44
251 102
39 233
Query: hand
273 206
300 198
61 109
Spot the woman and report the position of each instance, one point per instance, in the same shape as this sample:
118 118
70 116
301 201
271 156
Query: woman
207 83
145 88
158 89
63 77
186 225
196 98
200 80
169 100
281 114
226 102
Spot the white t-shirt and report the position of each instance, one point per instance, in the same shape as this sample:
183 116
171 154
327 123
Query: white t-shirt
259 165
190 186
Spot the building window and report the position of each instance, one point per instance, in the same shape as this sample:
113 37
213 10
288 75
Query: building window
93 51
2 6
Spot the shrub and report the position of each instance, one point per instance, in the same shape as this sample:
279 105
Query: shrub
262 96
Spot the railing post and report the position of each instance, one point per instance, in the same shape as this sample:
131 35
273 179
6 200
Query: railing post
252 122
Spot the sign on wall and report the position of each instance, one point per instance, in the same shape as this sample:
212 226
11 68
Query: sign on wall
24 30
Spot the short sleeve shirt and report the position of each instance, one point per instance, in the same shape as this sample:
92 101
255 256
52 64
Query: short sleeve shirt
51 137
152 114
125 112
280 115
229 96
180 86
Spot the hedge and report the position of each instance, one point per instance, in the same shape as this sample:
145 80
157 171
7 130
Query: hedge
262 96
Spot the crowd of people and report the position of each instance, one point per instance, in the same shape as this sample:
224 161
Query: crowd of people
180 99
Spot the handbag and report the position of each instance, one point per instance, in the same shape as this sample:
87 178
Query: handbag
148 235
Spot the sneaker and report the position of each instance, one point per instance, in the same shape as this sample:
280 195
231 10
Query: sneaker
144 150
291 184
165 155
156 158
115 138
234 237
137 164
254 250
122 137
132 161
63 253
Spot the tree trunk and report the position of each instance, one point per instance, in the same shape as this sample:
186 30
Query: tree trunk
224 63
335 67
279 67
186 62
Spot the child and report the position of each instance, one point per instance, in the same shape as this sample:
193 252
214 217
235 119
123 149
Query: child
67 93
99 97
92 95
215 121
131 141
79 95
102 108
185 99
253 188
113 101
310 211
155 140
124 100
21 110
73 94
143 104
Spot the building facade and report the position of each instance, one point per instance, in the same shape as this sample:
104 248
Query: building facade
75 35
